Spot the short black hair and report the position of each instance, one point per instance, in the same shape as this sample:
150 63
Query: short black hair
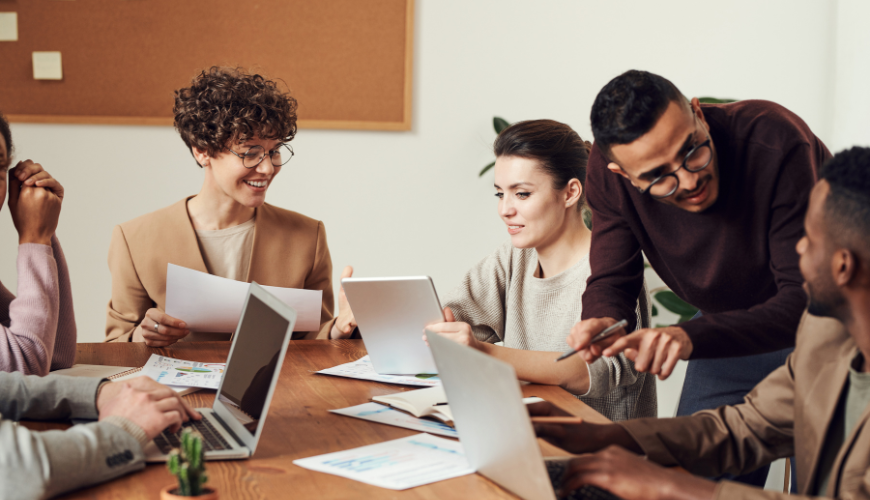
629 106
7 136
847 207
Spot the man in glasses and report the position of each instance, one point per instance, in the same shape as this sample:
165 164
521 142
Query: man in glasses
714 196
813 407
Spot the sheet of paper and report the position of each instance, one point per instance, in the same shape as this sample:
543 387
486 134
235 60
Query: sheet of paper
385 415
397 465
8 26
362 369
180 372
47 66
209 303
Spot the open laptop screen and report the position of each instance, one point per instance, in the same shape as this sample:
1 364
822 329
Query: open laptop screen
253 367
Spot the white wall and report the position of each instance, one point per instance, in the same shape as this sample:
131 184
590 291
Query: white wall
410 202
850 99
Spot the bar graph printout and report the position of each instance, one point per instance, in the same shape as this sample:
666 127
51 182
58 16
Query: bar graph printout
397 465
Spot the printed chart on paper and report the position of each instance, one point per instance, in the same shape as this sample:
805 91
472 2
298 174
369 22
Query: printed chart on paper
171 371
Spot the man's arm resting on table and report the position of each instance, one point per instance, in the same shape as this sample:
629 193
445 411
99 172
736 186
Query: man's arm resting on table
44 464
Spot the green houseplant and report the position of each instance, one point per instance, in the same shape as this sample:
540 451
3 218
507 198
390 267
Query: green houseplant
187 465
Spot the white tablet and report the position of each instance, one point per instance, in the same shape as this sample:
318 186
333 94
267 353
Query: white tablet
392 314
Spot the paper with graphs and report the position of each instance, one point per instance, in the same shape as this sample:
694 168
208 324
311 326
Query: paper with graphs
362 369
397 465
180 372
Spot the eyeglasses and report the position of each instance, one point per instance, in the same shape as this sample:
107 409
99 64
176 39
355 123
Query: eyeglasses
697 159
255 155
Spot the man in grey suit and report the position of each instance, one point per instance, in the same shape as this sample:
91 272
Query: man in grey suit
35 465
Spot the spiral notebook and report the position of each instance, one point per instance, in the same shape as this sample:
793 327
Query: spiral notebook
114 373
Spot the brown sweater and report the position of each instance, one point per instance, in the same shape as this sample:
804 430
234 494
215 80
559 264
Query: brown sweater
736 261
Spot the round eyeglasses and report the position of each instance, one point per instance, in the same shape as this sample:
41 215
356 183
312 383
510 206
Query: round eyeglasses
696 160
255 155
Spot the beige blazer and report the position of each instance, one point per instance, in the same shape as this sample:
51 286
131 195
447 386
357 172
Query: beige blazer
787 414
289 250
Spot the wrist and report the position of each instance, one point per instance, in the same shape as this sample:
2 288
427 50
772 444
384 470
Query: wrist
683 486
616 434
335 333
41 240
98 403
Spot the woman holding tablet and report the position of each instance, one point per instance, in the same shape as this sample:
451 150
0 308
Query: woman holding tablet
237 127
526 294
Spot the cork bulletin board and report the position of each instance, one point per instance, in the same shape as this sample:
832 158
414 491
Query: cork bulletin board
347 62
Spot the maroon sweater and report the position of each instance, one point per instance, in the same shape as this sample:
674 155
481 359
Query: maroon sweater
736 261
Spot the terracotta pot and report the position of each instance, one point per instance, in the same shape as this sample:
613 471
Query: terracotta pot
168 493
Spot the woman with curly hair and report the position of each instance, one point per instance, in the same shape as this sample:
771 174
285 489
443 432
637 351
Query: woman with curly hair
237 127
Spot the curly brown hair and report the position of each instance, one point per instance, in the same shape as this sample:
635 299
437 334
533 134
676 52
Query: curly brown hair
227 105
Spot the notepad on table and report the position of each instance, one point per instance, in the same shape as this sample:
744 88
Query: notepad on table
430 402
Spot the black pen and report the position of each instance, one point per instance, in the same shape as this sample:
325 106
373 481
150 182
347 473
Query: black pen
439 404
610 330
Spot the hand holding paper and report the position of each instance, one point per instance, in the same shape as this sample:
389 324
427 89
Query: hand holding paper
208 303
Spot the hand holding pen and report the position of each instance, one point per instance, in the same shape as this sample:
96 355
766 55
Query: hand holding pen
582 331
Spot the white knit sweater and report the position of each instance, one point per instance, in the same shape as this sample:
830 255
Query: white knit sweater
502 300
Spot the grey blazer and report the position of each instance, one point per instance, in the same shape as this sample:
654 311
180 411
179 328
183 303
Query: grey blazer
35 465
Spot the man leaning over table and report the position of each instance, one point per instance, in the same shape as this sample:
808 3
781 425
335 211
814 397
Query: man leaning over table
815 406
714 196
35 465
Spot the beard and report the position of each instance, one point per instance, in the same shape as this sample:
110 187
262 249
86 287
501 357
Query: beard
823 303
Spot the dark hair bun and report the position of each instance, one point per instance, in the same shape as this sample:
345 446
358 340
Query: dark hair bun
556 146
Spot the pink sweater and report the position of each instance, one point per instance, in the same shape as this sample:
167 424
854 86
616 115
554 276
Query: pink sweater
38 328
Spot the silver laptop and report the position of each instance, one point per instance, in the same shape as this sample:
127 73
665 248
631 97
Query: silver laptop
493 424
392 314
232 427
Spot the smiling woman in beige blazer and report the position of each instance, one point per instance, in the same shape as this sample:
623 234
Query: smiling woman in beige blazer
237 127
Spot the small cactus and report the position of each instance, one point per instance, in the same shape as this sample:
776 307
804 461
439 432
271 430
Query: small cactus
187 464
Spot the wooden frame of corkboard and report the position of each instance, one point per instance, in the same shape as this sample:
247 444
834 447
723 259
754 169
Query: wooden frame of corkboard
348 63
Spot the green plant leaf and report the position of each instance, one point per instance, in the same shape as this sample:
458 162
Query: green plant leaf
655 310
671 302
499 124
486 169
587 218
715 100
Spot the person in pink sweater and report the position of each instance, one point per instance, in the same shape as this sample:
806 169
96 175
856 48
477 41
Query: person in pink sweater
37 328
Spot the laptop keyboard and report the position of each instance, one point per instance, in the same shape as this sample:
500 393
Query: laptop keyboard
556 469
211 438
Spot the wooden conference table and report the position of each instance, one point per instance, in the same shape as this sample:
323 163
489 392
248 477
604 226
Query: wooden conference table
298 426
